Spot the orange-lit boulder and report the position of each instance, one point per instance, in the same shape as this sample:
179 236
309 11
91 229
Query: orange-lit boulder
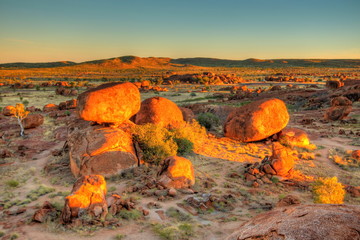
257 120
109 103
161 111
33 121
305 222
88 195
50 107
176 172
101 150
8 110
294 137
282 159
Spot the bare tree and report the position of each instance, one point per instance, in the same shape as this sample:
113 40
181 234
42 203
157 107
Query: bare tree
20 113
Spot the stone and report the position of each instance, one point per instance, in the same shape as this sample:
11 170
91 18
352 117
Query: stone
109 103
160 111
44 212
88 195
70 104
337 113
294 137
340 101
288 200
188 114
268 169
176 172
8 110
33 121
356 154
172 192
101 150
282 159
50 107
305 222
257 120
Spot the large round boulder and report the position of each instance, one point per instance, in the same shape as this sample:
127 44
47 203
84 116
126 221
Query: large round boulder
101 150
109 103
160 111
305 222
8 110
257 120
176 172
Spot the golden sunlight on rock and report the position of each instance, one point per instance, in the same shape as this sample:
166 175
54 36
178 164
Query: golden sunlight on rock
283 159
295 137
88 195
177 172
101 150
161 111
257 120
109 103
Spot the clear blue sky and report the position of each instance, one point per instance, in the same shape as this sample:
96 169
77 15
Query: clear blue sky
79 30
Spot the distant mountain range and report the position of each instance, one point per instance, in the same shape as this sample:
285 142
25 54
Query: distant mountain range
127 62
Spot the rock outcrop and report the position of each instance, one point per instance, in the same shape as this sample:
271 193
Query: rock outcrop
101 150
305 222
257 121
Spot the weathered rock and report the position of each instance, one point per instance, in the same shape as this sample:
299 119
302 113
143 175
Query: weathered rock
269 170
257 120
356 154
305 222
337 113
8 110
288 200
70 104
33 121
88 195
334 84
101 150
294 137
341 101
44 212
109 103
160 111
187 113
283 159
50 107
176 172
5 153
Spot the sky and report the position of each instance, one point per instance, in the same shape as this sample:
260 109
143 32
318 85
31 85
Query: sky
81 30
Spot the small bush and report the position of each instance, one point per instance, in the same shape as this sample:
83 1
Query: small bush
175 232
133 214
119 236
155 142
185 146
193 131
328 191
178 215
208 120
40 191
12 183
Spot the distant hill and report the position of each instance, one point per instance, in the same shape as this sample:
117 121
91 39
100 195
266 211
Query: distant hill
127 62
37 65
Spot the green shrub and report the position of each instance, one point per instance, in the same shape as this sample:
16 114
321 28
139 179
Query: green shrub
40 191
133 214
208 120
193 131
184 146
12 183
155 141
328 191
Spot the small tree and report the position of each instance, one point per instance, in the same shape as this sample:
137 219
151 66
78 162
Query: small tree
20 113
